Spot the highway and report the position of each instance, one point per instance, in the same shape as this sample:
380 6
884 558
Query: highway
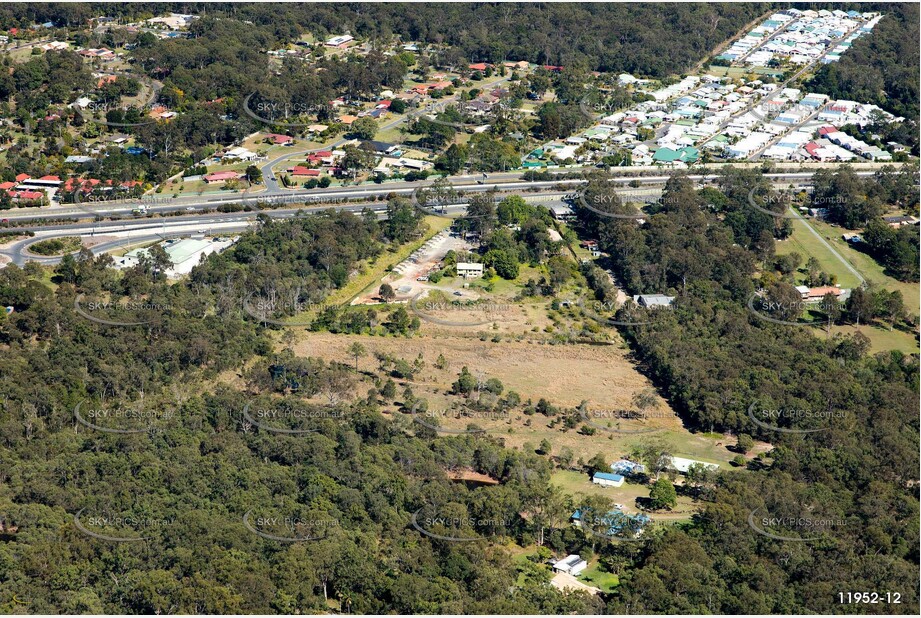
136 230
125 232
139 230
334 196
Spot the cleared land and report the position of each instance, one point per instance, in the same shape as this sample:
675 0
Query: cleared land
578 483
803 242
565 375
807 245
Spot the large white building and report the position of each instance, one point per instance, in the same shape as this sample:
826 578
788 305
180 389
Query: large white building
469 270
185 254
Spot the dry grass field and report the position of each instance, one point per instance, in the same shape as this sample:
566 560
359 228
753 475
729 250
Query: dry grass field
566 375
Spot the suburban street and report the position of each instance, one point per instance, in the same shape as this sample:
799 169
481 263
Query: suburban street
266 168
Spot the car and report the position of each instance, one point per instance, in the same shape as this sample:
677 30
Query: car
458 294
190 209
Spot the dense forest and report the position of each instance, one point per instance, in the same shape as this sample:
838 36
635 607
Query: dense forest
715 360
188 469
653 39
124 396
194 477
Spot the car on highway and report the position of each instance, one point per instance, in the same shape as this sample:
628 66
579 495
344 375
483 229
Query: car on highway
190 209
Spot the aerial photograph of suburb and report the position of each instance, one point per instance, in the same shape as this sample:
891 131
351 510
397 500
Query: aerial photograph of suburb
460 308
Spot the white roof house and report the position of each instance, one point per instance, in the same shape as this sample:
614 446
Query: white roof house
336 41
241 153
571 564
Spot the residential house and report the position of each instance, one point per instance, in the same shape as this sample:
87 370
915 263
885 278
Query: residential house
571 564
300 170
340 42
280 140
682 464
240 153
899 221
816 294
626 467
562 212
215 177
653 300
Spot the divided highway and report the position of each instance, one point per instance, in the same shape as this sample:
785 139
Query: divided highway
335 196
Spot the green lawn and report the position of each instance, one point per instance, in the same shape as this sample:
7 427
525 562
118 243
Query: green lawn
870 268
594 576
802 241
505 287
807 245
575 483
881 338
393 135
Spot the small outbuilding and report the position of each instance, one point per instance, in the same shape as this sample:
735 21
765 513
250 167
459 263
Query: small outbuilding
607 479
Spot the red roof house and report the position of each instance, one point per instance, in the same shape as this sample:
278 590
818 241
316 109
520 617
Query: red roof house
280 140
27 195
300 170
221 176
